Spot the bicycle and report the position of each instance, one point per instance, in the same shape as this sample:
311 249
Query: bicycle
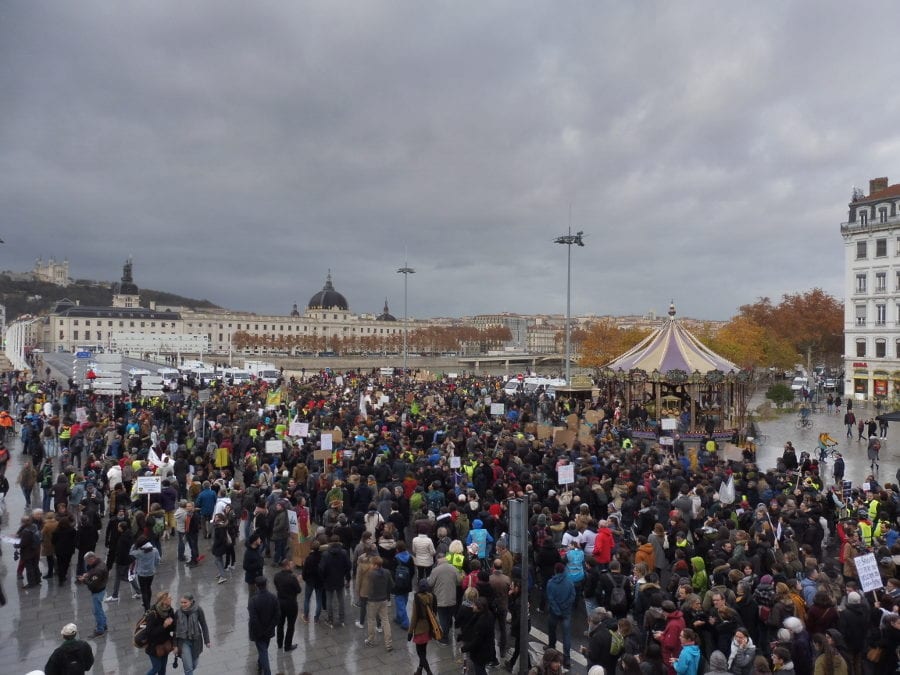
826 452
803 422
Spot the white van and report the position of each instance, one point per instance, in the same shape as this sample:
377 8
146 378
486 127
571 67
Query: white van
235 376
170 377
512 386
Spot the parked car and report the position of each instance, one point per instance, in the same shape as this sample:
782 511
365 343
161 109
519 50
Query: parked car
799 383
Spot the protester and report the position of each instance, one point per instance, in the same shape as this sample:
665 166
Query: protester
72 657
95 579
263 616
191 632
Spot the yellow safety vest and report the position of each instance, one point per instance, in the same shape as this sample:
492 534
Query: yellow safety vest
866 532
457 560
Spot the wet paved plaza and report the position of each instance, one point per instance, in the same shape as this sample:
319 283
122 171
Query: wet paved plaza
31 620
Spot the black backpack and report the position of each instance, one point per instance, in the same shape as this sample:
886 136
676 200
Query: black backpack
618 599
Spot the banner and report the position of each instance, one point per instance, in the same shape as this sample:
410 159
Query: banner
868 573
274 447
292 521
565 475
273 399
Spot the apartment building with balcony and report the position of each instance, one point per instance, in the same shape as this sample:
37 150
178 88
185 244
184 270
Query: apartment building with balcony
872 292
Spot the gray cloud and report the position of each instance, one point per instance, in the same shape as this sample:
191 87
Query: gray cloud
238 151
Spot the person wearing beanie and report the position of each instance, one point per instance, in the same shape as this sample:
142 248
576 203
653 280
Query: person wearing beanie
72 656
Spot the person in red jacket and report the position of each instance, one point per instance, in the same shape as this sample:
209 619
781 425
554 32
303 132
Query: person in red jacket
604 545
670 637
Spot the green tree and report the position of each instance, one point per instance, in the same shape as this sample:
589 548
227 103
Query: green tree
780 394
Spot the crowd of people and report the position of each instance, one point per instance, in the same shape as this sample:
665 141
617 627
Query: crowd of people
383 502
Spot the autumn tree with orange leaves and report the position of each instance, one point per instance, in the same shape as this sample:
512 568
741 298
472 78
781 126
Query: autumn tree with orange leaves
812 322
603 341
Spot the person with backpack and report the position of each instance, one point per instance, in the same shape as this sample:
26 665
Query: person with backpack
615 591
403 578
599 650
72 657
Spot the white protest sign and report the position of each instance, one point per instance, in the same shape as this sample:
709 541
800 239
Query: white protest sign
384 400
487 400
292 522
326 442
304 430
669 424
565 475
274 447
666 440
81 414
149 485
339 381
497 409
295 428
868 573
455 462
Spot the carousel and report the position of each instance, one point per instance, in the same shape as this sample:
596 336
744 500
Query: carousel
675 377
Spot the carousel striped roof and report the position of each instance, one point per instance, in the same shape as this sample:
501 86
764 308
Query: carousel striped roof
672 347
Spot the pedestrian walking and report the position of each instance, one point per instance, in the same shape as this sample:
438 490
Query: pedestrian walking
30 551
335 569
263 619
72 657
850 422
146 562
560 603
191 632
220 546
314 581
872 450
381 585
253 562
287 588
27 480
160 632
63 538
423 624
95 579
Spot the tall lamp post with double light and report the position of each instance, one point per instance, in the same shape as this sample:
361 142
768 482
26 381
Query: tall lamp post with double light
406 270
578 240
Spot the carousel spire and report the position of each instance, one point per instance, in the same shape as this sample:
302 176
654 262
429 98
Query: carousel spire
672 309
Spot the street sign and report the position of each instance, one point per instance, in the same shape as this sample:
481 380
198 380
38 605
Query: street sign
82 355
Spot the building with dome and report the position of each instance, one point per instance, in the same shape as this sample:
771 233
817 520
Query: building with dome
325 325
385 313
328 298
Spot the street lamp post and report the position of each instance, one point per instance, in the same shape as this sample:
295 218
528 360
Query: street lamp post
568 240
406 270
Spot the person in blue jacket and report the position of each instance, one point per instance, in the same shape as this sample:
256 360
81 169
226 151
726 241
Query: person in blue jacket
480 536
688 661
560 603
206 502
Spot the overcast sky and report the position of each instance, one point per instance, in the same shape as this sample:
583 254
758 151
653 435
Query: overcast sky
238 150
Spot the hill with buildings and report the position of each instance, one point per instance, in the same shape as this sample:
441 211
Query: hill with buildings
33 296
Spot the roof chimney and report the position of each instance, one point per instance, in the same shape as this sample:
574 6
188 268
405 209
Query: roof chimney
877 185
